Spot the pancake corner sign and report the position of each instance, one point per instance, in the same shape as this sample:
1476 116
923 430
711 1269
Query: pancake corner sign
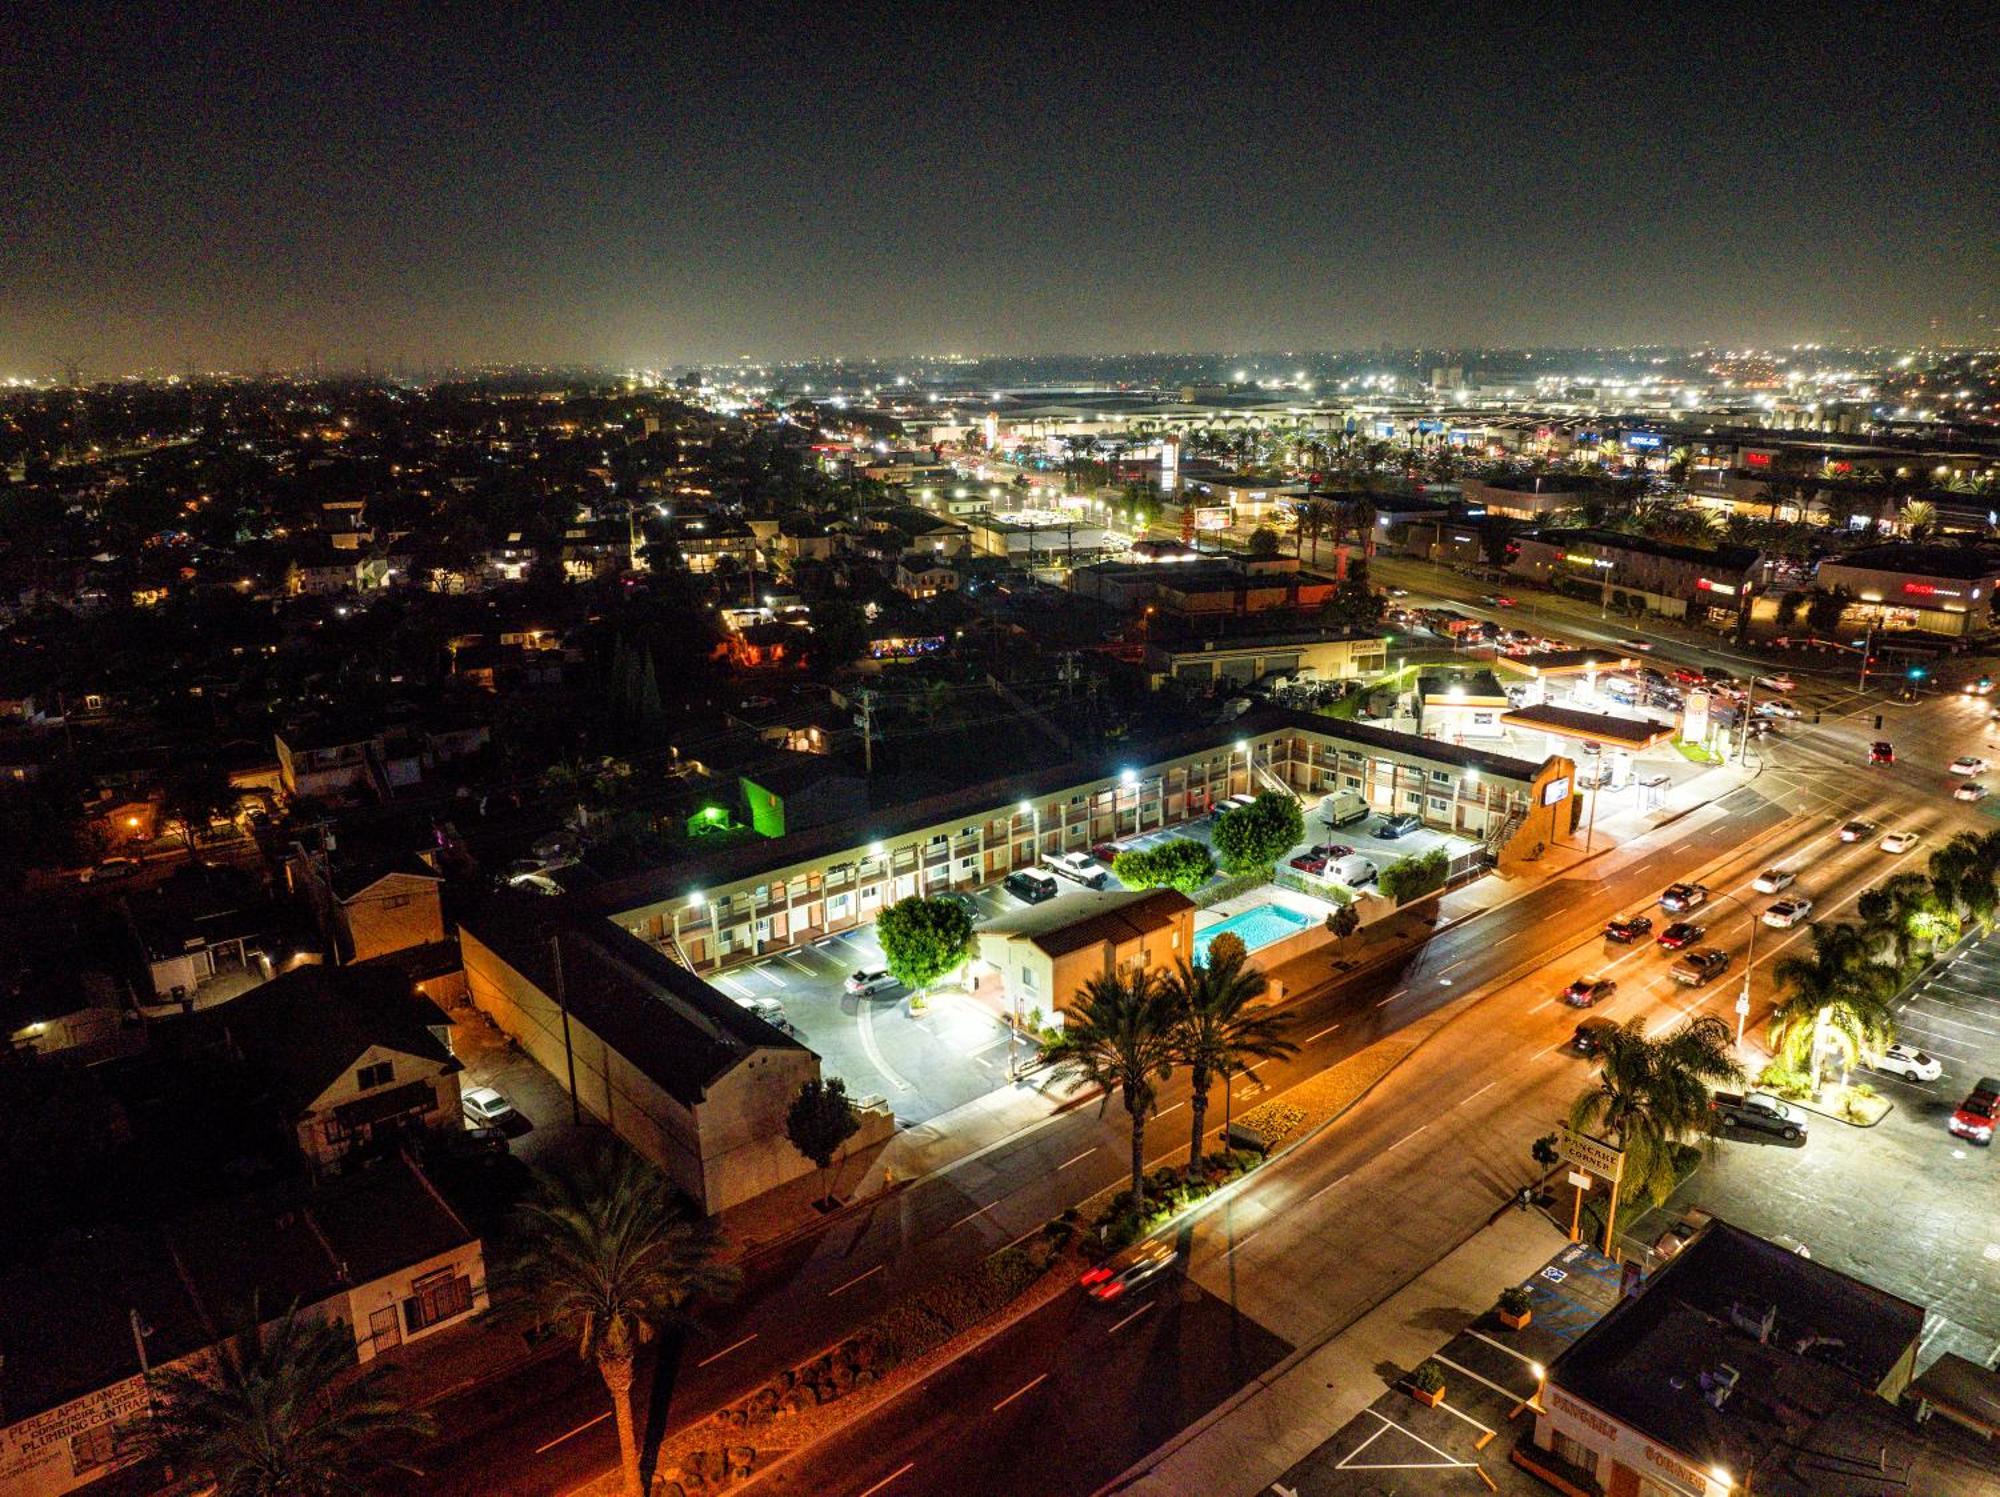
1591 1155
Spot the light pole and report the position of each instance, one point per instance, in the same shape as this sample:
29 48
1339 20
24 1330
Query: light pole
1596 753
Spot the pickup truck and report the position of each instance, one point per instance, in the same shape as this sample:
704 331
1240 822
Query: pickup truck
1759 1112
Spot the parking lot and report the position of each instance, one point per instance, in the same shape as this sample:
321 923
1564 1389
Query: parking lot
1399 1445
918 1065
1903 1205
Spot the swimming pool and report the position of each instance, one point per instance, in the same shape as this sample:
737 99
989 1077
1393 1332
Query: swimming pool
1258 926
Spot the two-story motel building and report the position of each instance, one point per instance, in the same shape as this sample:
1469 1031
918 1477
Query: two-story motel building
764 897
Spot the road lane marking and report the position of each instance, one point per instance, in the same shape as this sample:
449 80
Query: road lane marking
1132 1317
1481 1092
856 1280
901 1470
1405 1139
733 1346
1392 997
1175 1108
1077 1159
1331 1183
1032 1382
587 1424
964 1219
1320 1036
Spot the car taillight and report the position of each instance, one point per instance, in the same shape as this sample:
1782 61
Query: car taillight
1095 1276
1111 1290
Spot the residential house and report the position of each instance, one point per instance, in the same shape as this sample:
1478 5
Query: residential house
81 1324
369 907
349 1058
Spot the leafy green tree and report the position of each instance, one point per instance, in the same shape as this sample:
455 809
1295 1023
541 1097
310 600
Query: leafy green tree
1263 542
1179 863
819 1121
1354 604
1344 921
1837 1003
276 1414
839 635
1962 874
197 795
1257 835
606 1259
1120 1035
1413 877
1217 1032
1827 608
923 939
1652 1096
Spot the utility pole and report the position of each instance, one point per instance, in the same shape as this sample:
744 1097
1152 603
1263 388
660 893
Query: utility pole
562 1002
865 721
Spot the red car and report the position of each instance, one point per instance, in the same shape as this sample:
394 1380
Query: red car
1881 751
1686 677
1681 933
1307 862
1105 853
1973 1121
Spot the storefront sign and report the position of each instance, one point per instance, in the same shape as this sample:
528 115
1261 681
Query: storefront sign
1709 585
1592 1155
1930 590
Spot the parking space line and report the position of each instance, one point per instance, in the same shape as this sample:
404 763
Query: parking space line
795 964
1486 1431
1507 1393
1447 1459
1525 1361
587 1424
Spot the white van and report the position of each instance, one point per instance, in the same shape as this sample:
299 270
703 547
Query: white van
1354 871
1344 808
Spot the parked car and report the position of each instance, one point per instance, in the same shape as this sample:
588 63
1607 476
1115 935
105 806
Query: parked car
1788 912
1030 885
485 1107
1627 928
1107 1281
1973 1121
1105 853
1310 862
1635 644
1591 1035
1777 683
1881 751
1857 830
1970 790
109 871
1079 867
1353 871
1398 826
866 982
1685 677
1899 841
1682 897
1966 766
1697 967
1909 1063
965 902
1586 991
1758 1112
1773 881
1681 933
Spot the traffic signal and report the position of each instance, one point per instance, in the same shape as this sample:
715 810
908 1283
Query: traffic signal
1917 673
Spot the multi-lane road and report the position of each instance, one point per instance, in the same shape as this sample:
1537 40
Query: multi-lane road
1322 1235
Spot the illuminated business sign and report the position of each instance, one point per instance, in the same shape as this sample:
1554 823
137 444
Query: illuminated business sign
1644 439
1556 791
1931 590
1756 459
1385 428
1708 585
1170 464
1429 426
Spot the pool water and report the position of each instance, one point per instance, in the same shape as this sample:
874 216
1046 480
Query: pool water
1258 926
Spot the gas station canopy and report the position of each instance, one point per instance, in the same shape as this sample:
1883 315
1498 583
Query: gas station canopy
1631 733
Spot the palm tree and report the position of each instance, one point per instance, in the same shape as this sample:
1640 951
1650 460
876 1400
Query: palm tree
1962 875
1361 514
1215 1030
1902 912
1835 999
1316 518
1121 1036
1919 519
277 1413
606 1258
1653 1094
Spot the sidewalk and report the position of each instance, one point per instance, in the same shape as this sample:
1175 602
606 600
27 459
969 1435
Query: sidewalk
1278 1420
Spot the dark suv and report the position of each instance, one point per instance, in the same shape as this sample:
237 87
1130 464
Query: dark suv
1628 928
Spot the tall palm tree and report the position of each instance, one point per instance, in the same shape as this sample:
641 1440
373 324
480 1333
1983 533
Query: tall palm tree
607 1259
1919 519
1120 1036
1902 913
1216 1032
1962 875
1653 1094
276 1414
1361 513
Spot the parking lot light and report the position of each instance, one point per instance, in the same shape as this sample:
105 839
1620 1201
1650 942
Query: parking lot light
697 899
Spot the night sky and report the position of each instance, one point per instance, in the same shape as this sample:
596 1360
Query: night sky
193 186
